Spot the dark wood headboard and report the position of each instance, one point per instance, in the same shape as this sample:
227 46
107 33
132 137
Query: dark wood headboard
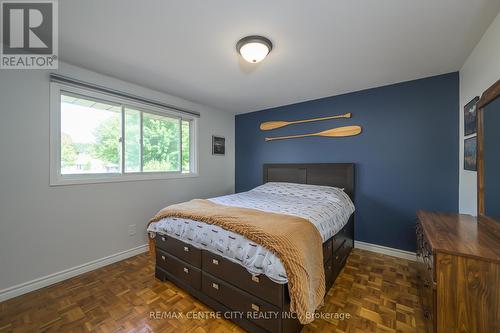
327 174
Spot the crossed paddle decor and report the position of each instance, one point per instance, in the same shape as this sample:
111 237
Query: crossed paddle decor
333 132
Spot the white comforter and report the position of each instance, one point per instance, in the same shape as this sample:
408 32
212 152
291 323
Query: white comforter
328 208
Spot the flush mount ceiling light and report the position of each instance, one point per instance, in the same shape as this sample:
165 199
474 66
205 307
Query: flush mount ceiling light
254 48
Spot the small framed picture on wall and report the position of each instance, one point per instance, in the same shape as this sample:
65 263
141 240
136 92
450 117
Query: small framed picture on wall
470 117
470 154
218 145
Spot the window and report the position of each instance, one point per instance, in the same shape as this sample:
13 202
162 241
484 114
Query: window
101 138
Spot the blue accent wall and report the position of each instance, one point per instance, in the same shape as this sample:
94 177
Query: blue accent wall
406 158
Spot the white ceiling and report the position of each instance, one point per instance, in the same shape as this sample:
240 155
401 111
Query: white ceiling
321 47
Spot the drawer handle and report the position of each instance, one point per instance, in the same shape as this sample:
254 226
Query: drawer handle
163 258
255 279
215 286
427 314
186 249
337 258
255 307
186 270
215 261
163 239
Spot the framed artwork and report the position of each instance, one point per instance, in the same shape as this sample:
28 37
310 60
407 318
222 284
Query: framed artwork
218 145
470 117
470 154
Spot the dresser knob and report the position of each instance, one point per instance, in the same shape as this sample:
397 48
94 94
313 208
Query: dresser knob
255 278
163 258
163 239
255 307
215 261
186 270
186 249
215 286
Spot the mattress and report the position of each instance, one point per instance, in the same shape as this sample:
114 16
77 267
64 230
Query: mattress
328 208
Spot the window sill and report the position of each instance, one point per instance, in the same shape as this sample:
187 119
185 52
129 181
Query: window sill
98 179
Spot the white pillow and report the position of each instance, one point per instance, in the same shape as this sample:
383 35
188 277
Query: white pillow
315 192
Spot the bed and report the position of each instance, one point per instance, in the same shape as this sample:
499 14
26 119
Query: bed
230 273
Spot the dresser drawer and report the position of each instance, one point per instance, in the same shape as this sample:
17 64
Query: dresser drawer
428 259
426 278
260 286
425 254
179 249
428 298
238 300
181 270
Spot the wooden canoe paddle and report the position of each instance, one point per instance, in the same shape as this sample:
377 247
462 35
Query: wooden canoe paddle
270 125
334 132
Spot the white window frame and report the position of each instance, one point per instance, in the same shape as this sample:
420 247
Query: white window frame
56 178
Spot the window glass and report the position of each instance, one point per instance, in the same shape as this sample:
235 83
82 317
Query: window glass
186 136
132 140
161 143
125 140
90 136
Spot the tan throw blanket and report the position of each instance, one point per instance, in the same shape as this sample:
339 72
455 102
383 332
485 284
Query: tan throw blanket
294 240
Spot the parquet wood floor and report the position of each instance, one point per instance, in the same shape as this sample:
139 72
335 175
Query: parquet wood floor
378 291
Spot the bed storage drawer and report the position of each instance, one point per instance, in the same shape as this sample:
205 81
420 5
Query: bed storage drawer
339 258
161 241
329 273
339 238
327 249
181 270
238 300
260 286
179 249
338 254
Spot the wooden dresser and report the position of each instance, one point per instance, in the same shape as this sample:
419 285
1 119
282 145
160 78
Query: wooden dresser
459 272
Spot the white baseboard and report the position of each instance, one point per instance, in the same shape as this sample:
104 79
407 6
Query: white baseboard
47 280
385 250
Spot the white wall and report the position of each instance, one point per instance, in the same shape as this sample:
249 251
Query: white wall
479 72
46 229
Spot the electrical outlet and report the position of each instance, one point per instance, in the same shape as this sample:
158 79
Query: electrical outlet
131 229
